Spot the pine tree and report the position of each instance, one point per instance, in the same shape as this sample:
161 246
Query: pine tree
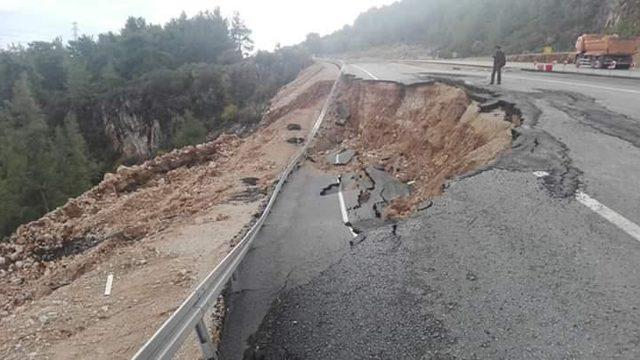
110 77
72 165
241 35
13 168
31 140
78 80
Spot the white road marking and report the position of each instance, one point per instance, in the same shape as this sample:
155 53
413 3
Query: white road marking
343 209
540 174
616 219
613 217
107 288
365 71
353 233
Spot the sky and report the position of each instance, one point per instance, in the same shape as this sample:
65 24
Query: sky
286 22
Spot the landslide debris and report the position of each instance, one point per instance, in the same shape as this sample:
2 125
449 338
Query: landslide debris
157 197
127 205
421 135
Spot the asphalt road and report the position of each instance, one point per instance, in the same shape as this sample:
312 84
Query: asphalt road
508 264
302 237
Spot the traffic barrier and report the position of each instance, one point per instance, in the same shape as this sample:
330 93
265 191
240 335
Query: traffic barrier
543 67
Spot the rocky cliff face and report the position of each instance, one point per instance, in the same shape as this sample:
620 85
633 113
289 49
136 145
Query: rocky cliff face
624 16
132 135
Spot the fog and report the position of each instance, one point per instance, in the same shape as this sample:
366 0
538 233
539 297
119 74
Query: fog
277 21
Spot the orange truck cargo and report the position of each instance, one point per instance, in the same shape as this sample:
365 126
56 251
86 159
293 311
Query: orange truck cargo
605 51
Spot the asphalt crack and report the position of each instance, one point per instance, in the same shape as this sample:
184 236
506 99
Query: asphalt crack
330 189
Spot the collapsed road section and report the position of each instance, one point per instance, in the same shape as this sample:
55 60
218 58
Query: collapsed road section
506 264
395 146
392 147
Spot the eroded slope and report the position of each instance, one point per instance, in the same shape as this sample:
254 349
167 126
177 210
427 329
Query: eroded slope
422 135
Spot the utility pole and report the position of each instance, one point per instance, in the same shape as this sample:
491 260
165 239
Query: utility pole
75 31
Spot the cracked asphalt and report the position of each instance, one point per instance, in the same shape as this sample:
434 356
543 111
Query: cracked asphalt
504 265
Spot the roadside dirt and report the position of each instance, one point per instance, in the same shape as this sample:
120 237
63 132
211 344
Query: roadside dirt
423 135
159 228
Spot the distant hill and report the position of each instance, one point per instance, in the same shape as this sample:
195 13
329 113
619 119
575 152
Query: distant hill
474 27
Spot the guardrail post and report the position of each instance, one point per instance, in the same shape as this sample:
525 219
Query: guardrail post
208 349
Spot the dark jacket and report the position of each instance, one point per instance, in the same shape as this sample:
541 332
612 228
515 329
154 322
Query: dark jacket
499 59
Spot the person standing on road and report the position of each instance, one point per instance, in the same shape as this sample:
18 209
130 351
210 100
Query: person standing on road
499 61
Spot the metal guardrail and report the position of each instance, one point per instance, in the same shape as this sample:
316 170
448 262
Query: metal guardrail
190 315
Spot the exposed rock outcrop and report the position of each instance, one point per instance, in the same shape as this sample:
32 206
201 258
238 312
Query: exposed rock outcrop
132 135
624 11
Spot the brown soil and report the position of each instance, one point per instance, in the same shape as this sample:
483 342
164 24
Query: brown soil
422 134
159 228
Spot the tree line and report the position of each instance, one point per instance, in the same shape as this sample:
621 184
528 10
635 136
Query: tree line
194 76
467 28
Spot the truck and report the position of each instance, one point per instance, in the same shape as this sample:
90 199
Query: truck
605 51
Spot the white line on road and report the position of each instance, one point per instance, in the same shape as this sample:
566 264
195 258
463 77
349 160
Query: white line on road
365 71
540 174
618 220
343 209
613 217
107 288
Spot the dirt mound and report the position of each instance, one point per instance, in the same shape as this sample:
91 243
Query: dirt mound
423 134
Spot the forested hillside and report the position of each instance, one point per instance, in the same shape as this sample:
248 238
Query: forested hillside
474 27
70 112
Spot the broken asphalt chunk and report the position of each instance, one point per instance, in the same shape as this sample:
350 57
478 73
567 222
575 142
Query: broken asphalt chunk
490 106
393 190
341 158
